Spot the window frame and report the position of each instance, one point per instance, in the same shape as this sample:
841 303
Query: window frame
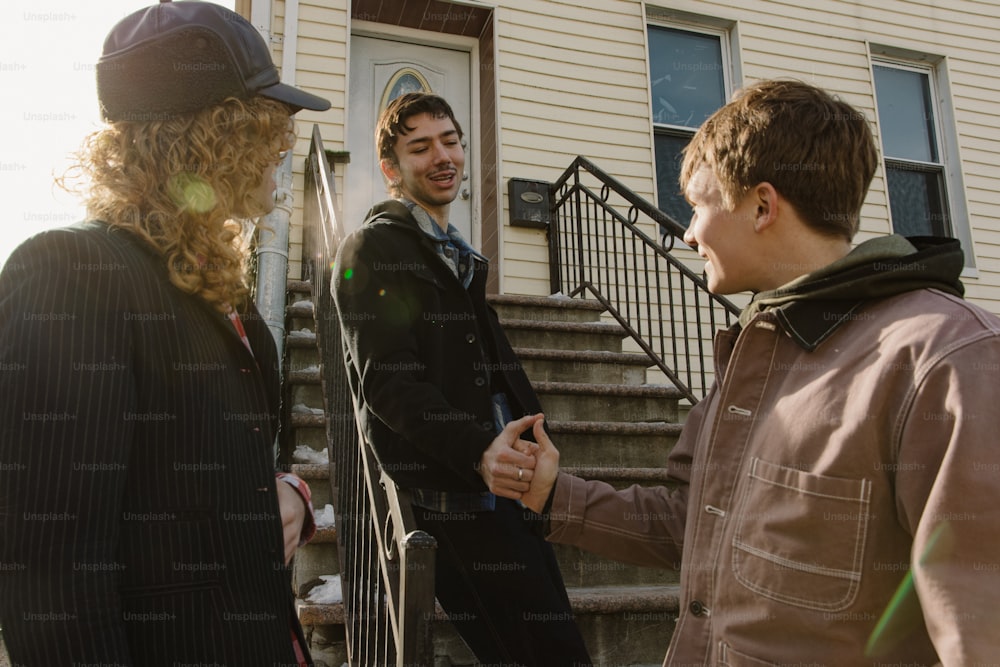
946 137
725 32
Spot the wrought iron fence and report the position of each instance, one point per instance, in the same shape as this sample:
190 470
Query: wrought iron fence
596 251
387 564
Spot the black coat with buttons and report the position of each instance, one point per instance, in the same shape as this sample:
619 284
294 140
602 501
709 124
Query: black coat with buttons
139 521
424 354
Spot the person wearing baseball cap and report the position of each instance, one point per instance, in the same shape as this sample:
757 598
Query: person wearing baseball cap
143 522
179 57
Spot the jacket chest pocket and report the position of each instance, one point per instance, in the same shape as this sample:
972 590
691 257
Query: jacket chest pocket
800 537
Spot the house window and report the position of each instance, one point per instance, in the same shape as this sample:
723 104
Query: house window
915 167
688 81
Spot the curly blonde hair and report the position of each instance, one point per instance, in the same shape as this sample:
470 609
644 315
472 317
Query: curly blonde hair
182 182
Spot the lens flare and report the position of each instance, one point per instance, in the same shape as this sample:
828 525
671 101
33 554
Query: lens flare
903 614
191 192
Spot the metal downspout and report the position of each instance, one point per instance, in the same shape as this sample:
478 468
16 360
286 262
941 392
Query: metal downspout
272 257
272 250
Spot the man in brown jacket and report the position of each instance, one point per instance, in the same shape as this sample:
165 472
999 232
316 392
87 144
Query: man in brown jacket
836 499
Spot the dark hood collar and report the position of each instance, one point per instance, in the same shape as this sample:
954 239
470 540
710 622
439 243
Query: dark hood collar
811 308
391 210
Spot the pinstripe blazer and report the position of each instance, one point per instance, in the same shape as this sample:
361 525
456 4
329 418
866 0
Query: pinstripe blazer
139 516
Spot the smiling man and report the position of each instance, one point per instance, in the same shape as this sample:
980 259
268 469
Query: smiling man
443 400
835 497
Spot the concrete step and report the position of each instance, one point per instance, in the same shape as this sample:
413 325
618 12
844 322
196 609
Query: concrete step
305 394
546 308
304 387
301 351
573 401
607 444
581 569
301 360
312 472
310 375
303 420
300 309
310 430
303 341
317 476
595 336
314 560
584 366
299 318
320 555
620 476
626 625
325 535
606 616
301 348
314 438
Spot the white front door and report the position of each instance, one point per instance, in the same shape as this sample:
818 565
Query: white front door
381 70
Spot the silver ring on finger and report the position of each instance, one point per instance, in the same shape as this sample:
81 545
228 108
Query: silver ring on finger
520 474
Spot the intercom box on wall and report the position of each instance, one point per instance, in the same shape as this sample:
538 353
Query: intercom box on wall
530 203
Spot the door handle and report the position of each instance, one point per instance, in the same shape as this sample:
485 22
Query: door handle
465 190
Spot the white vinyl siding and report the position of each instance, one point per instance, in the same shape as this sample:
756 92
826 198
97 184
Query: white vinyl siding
320 68
572 79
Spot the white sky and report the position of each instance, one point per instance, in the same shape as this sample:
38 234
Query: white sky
48 49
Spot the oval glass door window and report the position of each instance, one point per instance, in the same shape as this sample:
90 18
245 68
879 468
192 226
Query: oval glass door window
406 80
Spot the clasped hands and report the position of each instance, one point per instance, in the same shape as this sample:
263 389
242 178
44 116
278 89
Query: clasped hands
520 469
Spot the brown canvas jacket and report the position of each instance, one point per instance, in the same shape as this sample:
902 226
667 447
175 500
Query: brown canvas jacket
811 485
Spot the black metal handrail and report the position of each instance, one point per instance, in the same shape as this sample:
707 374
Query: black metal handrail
386 563
597 252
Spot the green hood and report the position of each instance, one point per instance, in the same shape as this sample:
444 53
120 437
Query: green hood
875 269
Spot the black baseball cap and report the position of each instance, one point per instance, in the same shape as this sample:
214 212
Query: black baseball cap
178 57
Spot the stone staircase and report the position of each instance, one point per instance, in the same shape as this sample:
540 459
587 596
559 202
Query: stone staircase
303 411
610 425
607 423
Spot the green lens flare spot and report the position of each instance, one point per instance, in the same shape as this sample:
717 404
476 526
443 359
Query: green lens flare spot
191 192
903 615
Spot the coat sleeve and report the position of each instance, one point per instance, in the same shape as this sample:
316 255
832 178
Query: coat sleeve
948 496
64 449
376 313
638 525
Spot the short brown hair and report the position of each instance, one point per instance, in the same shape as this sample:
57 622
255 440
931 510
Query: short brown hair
392 123
816 150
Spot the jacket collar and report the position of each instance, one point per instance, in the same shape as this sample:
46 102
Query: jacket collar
392 211
812 307
809 323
